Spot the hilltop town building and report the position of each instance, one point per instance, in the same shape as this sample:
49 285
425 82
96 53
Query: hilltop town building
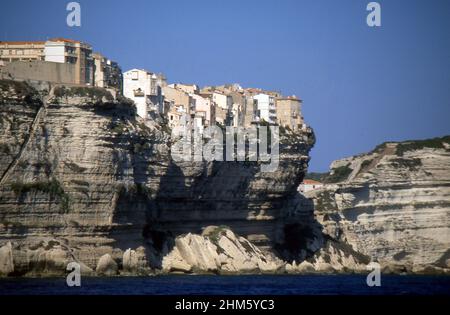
178 97
224 104
205 109
72 52
265 108
289 112
187 88
67 61
22 51
308 185
250 111
145 89
107 73
40 54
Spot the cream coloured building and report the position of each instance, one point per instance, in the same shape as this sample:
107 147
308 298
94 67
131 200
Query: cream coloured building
187 88
205 108
177 98
289 112
22 51
58 50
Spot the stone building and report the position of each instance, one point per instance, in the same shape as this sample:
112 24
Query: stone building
289 112
187 88
178 98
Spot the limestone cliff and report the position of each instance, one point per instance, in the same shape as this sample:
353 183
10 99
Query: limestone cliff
392 204
83 180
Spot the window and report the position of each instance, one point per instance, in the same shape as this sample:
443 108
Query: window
134 75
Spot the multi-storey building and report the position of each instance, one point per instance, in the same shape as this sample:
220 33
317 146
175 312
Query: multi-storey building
289 112
145 89
265 108
205 109
73 52
22 51
224 106
188 88
179 98
58 50
107 73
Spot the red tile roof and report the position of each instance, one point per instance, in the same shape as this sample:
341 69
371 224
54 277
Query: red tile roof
311 182
22 42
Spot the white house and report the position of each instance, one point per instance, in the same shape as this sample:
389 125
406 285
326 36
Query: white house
309 184
144 88
265 108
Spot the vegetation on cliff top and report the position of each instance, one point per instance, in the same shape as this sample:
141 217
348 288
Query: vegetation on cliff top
81 91
435 143
10 89
336 175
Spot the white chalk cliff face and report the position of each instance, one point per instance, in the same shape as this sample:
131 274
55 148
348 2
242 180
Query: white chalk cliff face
83 180
392 204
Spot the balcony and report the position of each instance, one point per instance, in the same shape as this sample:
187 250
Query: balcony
139 93
70 54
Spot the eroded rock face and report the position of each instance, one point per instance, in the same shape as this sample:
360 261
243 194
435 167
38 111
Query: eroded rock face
6 260
219 251
81 171
393 205
135 261
107 266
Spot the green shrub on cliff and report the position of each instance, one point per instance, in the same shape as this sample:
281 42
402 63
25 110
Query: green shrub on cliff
4 148
83 91
52 187
339 174
436 143
320 177
411 164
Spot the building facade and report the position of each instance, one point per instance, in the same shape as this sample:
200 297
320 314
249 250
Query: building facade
144 88
22 51
58 50
265 108
179 98
289 112
308 185
205 109
73 52
107 73
187 88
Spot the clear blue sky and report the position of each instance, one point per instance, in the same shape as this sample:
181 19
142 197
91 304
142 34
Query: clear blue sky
361 86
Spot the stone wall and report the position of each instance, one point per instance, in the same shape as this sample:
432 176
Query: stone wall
40 70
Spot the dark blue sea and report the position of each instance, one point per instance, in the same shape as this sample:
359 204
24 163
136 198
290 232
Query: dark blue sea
231 285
